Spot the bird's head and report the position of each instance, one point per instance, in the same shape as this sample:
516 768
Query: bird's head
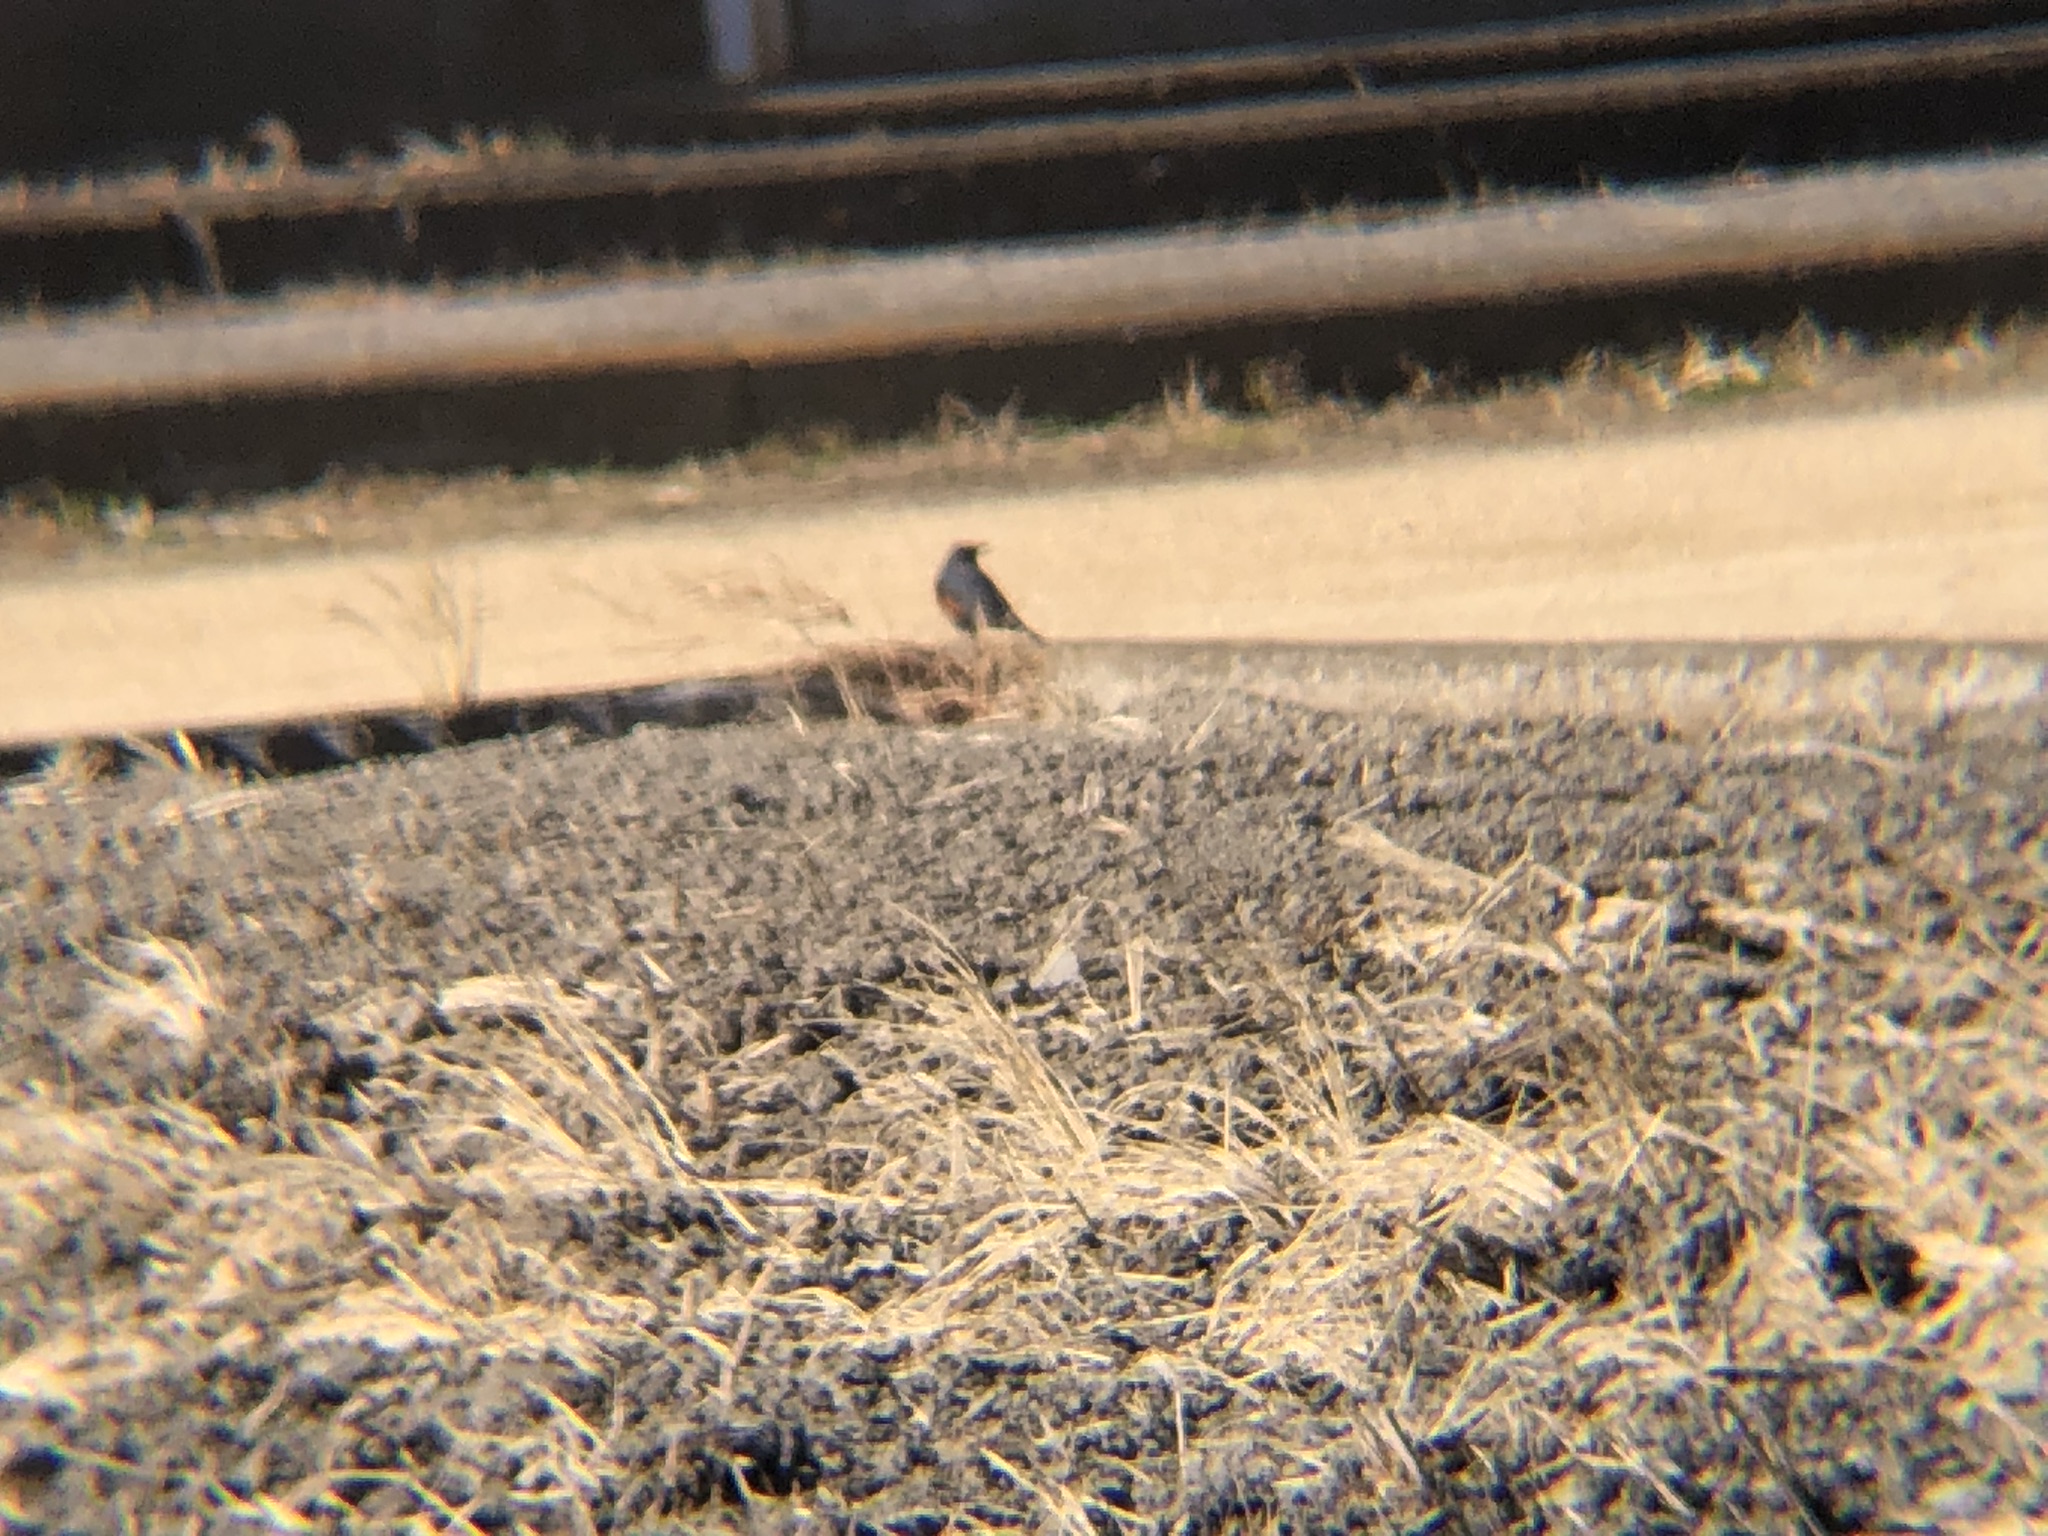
970 553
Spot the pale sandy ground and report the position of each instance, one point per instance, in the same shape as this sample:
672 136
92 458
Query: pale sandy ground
1925 521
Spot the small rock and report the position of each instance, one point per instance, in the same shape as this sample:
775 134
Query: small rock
1060 968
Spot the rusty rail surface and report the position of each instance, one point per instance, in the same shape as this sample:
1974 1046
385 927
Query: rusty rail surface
288 193
900 305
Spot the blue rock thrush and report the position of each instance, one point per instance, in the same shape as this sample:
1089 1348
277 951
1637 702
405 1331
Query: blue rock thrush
971 600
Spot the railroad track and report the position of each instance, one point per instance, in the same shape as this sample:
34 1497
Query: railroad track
1007 234
1388 126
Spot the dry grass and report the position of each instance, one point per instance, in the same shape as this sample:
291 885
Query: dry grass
997 677
342 1245
434 626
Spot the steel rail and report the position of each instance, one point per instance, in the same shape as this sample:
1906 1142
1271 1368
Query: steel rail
1581 41
900 305
571 176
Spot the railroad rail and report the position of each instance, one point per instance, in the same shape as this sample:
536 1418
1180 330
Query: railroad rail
508 173
900 305
1381 126
1479 52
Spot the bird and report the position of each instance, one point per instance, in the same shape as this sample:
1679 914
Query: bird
970 600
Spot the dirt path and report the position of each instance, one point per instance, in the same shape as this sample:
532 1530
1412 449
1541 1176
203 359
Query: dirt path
1926 521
